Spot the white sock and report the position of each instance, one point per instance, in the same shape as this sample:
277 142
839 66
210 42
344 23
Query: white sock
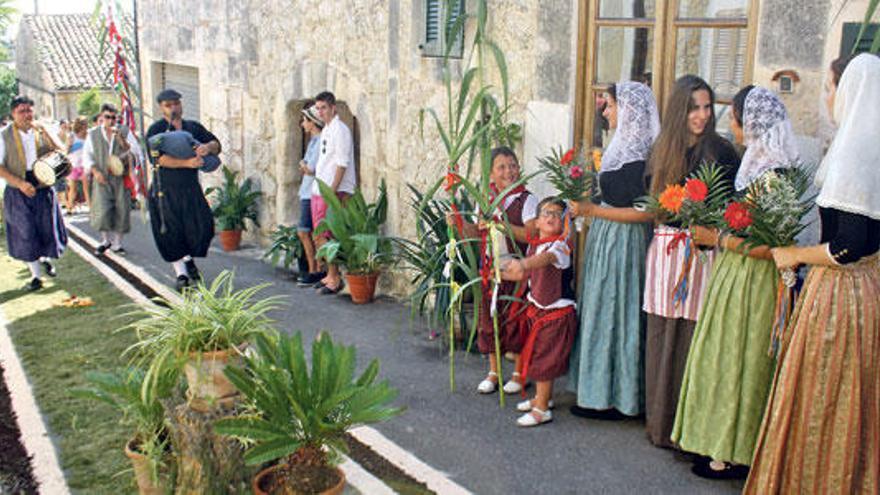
105 238
180 268
116 240
34 267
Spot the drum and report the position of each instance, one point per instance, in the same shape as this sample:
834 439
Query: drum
115 166
52 167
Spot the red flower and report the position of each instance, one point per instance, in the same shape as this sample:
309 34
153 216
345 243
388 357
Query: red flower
567 157
737 216
696 189
576 172
672 198
452 179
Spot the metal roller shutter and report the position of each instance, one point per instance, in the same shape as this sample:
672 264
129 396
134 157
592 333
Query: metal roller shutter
185 80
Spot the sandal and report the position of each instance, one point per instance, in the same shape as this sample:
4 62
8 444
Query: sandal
526 405
704 469
325 290
487 386
514 385
535 417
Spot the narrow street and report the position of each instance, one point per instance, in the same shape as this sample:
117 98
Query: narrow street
462 434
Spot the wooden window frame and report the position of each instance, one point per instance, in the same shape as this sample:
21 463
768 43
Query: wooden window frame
664 27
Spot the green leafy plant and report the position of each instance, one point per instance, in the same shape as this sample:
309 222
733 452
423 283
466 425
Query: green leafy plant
295 412
210 318
866 22
234 203
357 243
286 246
121 389
475 122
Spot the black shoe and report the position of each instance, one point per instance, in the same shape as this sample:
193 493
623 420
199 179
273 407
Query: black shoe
49 269
193 271
309 279
703 469
605 414
35 284
182 283
121 251
100 250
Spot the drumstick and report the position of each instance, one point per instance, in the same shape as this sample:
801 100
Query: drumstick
39 127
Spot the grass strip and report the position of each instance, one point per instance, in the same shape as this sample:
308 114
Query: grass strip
57 345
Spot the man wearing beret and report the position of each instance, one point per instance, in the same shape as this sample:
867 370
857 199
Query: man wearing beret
180 217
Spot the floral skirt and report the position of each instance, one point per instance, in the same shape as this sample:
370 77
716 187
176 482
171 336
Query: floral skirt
821 431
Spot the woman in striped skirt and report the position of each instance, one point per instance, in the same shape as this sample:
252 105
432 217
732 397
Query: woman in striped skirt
821 430
687 139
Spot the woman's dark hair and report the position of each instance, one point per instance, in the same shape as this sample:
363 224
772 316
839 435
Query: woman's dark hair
739 103
669 163
612 91
503 151
838 65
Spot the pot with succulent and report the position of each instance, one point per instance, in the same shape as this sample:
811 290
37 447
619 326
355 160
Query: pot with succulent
232 204
299 417
207 331
357 243
149 448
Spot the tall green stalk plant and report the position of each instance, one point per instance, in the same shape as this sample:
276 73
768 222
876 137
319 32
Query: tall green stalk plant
474 118
869 14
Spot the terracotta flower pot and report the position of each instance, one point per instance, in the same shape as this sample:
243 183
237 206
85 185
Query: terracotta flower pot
264 477
205 379
142 472
230 240
362 287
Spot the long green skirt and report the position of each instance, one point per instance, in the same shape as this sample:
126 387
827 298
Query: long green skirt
729 368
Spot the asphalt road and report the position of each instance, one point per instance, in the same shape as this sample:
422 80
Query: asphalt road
463 434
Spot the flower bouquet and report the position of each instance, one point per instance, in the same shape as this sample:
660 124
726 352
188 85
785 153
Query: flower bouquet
771 214
700 201
571 173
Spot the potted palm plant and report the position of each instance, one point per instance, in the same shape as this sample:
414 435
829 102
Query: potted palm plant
299 416
207 331
232 205
149 448
357 243
285 248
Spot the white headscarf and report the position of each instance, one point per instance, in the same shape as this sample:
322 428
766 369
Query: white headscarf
850 173
638 125
769 139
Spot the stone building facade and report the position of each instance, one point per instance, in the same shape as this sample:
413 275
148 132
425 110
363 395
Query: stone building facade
254 62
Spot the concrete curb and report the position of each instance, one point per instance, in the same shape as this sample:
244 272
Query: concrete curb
34 435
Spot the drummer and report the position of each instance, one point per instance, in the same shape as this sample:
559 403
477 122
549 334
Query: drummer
106 154
35 230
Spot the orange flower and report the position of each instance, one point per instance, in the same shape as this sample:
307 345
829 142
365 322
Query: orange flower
672 198
597 159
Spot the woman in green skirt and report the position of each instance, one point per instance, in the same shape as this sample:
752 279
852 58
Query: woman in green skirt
729 369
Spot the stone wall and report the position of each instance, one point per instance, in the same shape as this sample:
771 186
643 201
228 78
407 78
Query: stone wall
34 80
257 61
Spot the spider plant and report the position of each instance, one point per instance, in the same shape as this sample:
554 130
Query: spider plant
121 389
209 319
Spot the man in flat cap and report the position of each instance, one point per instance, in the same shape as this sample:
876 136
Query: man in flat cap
180 217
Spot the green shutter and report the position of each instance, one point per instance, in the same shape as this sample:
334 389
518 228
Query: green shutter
848 38
437 35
